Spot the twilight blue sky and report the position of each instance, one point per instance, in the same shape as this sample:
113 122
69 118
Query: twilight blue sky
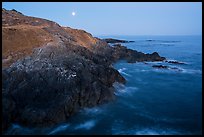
119 18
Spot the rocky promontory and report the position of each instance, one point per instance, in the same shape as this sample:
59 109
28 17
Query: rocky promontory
110 40
49 72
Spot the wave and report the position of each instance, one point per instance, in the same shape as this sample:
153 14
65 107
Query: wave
169 61
86 125
154 62
123 90
176 69
157 131
59 128
118 85
160 119
122 72
144 70
184 70
94 110
191 71
16 129
173 61
119 129
126 74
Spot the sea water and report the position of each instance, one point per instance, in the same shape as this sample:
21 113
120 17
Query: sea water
153 101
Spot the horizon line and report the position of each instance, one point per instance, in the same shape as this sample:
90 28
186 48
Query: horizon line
147 35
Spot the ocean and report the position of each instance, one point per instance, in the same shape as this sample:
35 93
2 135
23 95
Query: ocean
153 101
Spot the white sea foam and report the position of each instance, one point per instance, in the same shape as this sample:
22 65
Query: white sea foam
185 70
122 69
182 70
126 74
86 125
119 129
144 70
172 68
131 88
159 119
16 129
122 90
154 62
173 60
157 131
139 70
122 72
175 69
94 110
118 86
191 71
59 128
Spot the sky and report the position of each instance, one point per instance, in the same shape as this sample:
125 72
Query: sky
119 18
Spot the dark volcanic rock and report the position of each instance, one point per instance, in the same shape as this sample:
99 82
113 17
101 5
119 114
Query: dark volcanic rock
110 40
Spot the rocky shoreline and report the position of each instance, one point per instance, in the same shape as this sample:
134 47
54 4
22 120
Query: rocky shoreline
71 71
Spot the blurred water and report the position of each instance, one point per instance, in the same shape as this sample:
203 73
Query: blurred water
153 101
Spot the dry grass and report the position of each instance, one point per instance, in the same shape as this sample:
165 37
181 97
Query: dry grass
19 41
82 38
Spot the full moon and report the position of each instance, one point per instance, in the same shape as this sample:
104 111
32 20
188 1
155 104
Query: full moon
73 13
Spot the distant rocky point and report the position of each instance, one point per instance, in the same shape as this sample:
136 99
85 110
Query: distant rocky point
110 40
50 72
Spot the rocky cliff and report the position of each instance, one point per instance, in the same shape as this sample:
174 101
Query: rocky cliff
50 72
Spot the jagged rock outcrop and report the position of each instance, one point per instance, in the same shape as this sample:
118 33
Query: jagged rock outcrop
132 56
50 72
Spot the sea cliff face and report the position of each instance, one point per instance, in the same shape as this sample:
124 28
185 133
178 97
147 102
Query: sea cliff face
50 72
